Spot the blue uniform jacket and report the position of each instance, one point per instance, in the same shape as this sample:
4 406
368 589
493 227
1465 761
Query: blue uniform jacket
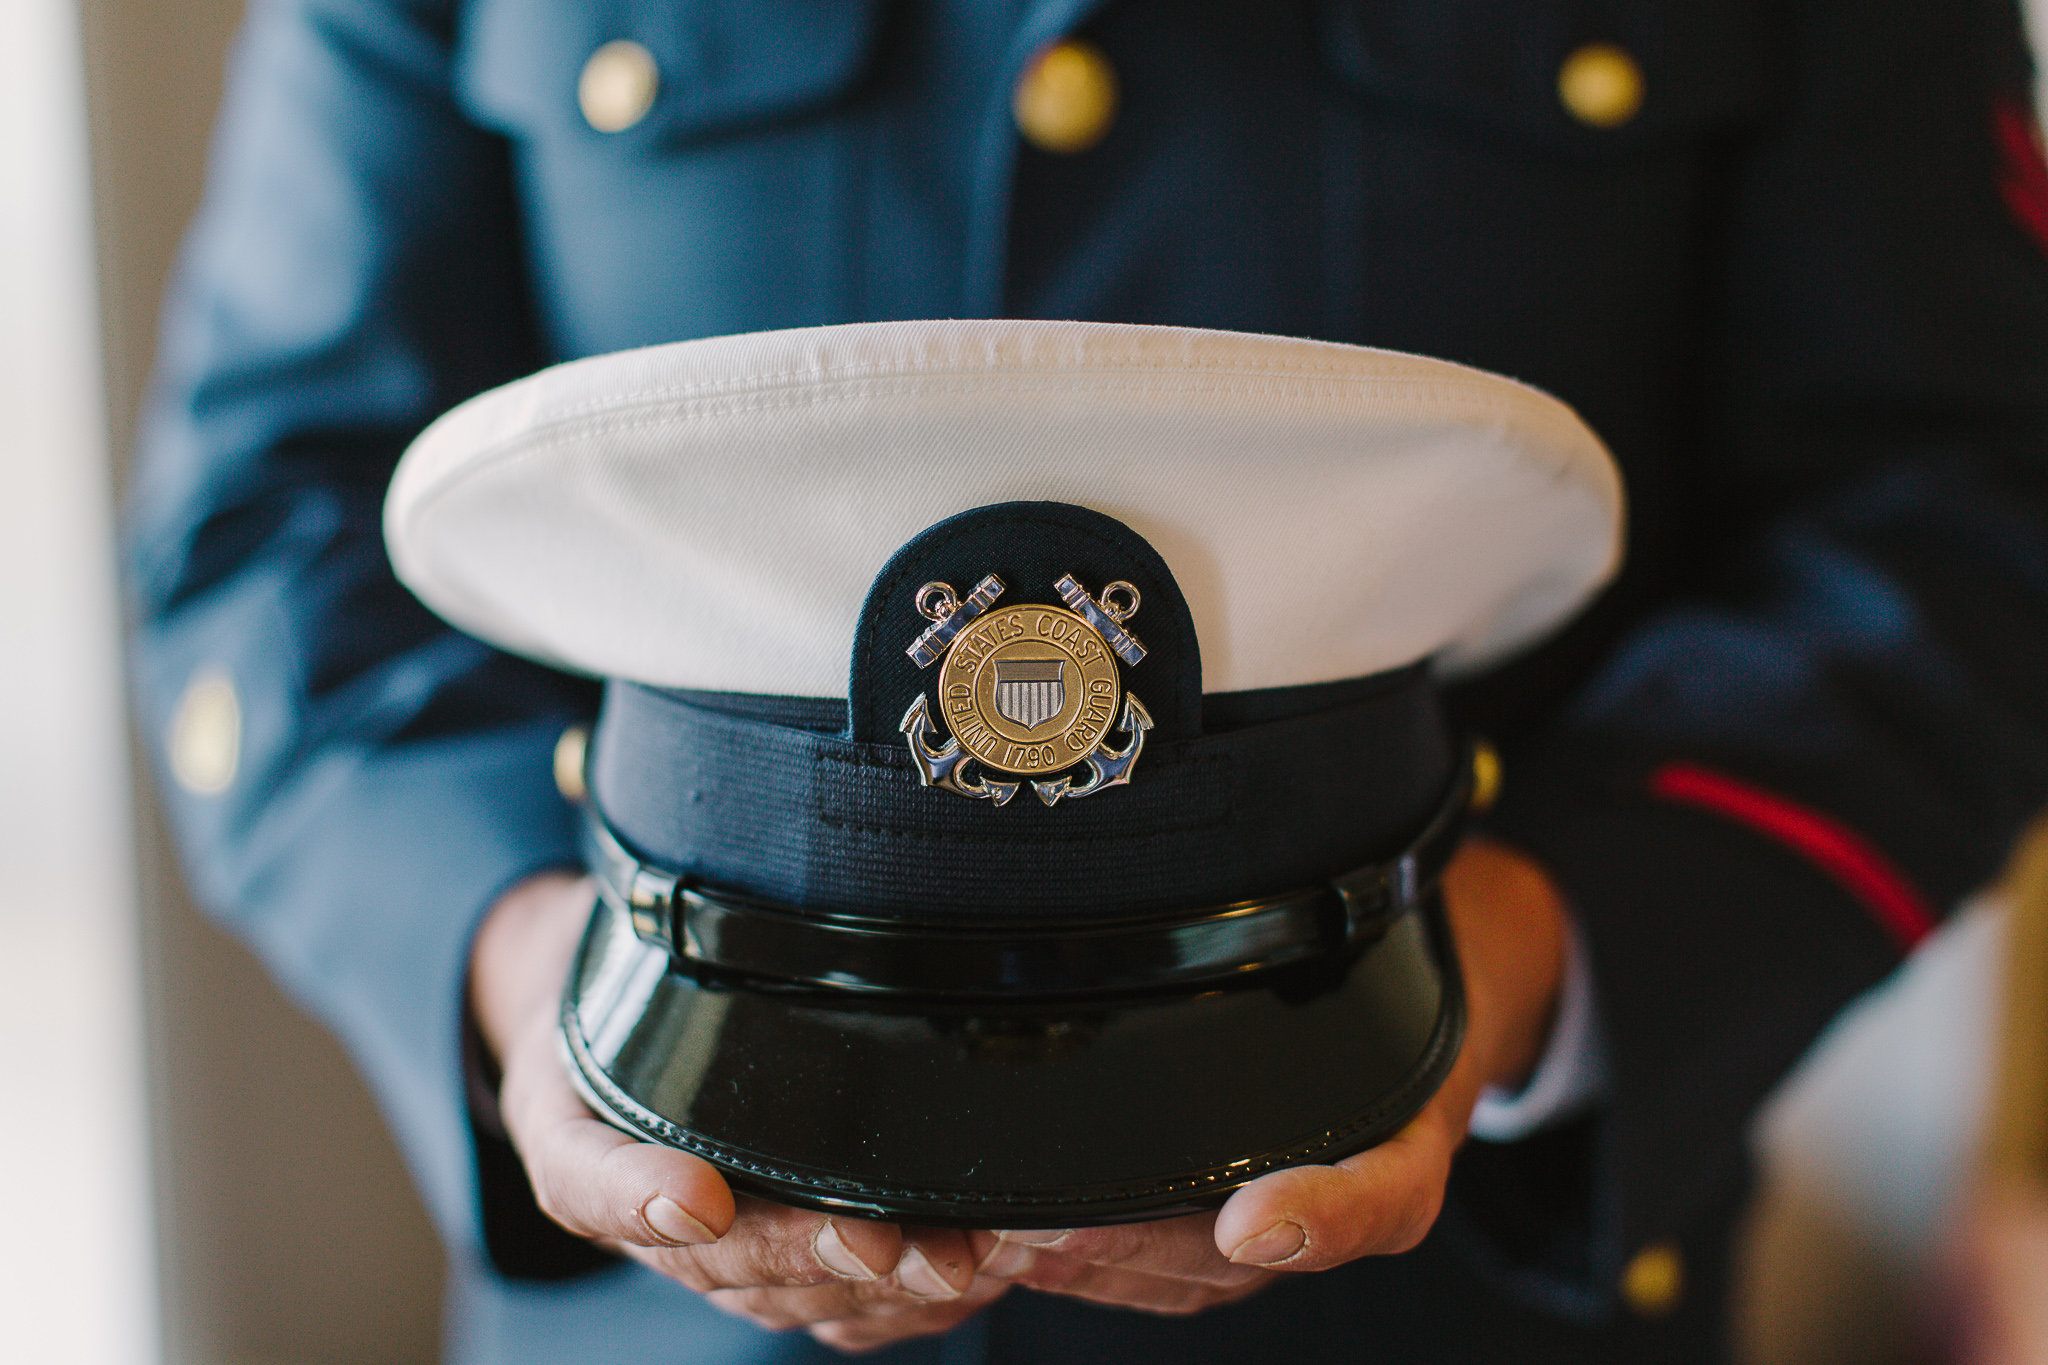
1803 294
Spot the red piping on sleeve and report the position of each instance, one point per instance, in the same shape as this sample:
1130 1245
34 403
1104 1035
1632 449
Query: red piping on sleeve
1842 853
2023 177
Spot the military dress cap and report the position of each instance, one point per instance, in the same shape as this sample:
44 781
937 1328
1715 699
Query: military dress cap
1021 785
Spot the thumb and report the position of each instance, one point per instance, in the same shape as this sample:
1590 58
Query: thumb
1375 1203
596 1181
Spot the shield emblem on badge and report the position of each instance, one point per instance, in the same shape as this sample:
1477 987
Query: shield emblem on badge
1030 692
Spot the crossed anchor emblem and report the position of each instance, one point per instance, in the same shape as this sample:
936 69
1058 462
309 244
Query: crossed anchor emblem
1026 689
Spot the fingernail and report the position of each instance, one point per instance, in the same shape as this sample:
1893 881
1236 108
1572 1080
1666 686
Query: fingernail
1007 1258
916 1273
836 1256
1272 1246
673 1224
1040 1237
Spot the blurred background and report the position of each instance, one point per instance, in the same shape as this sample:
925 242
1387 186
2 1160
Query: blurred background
194 1175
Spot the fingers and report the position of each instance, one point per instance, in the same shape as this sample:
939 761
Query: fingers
1175 1248
914 1286
1169 1267
771 1246
864 1264
1511 930
780 1266
1378 1202
1054 1273
937 1263
594 1180
932 1287
872 1331
673 1210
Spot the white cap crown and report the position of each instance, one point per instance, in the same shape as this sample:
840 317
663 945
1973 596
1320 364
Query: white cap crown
710 514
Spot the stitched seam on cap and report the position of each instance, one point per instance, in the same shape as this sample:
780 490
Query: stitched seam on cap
841 377
530 445
534 441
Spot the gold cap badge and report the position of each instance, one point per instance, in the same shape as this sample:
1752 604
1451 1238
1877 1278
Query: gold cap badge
1030 689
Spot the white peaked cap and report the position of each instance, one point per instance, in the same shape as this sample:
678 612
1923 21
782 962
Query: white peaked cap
710 514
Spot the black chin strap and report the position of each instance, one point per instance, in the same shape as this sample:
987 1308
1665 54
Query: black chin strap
731 935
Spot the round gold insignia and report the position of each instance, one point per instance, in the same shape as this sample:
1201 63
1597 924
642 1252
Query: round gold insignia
1029 690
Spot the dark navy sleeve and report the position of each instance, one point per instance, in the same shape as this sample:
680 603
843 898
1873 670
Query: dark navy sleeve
1833 730
354 271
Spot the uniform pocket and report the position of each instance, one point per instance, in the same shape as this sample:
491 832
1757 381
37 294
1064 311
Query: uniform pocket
718 66
1499 67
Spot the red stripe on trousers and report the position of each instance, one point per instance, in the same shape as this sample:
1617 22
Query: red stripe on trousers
1844 855
2024 178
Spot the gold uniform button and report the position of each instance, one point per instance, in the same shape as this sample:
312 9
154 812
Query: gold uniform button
1654 1280
570 752
205 745
1600 85
1066 99
617 86
1486 774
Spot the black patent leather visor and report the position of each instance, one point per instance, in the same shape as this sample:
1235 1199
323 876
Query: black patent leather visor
963 1114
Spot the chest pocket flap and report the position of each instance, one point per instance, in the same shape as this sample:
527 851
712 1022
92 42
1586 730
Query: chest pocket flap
713 65
1576 76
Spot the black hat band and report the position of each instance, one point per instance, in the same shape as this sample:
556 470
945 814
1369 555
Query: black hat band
823 825
968 959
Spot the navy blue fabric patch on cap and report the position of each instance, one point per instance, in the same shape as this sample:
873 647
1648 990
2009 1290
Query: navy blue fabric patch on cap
1030 546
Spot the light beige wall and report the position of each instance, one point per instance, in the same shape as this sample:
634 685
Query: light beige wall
288 1232
77 1281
